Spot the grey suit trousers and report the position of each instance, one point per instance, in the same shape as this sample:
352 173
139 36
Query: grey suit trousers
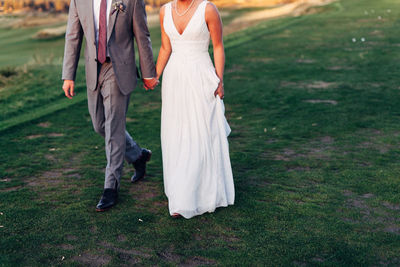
107 108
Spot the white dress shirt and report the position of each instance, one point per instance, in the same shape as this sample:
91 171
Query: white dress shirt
96 15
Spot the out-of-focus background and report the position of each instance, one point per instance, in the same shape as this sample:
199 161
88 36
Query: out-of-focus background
312 97
42 23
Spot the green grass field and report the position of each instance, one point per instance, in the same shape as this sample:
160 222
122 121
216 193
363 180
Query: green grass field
314 149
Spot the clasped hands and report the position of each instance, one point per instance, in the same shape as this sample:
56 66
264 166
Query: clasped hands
150 83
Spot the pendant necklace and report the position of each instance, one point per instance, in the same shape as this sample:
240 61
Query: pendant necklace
186 11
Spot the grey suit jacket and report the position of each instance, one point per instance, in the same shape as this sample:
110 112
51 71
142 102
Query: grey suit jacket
123 27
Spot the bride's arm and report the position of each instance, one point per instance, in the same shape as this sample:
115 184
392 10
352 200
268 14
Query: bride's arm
214 24
165 50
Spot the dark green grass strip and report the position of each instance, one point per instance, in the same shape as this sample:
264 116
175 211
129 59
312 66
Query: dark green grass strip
42 111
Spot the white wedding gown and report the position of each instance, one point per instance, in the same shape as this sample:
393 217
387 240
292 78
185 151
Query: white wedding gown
197 169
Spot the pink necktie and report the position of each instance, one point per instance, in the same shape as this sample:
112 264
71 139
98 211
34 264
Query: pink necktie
101 52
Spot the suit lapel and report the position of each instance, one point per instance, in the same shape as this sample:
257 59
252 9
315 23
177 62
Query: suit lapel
111 20
90 19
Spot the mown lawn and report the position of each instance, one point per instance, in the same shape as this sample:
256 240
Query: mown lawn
314 149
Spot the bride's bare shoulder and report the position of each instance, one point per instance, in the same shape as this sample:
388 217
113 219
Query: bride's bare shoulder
211 11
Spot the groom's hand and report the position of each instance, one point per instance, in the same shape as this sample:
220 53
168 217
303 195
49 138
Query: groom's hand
150 83
68 88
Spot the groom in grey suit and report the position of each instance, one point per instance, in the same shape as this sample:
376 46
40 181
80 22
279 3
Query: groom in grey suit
109 27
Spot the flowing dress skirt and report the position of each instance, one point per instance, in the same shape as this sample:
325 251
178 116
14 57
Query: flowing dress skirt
196 164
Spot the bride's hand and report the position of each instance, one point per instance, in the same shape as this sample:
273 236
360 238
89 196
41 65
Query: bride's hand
220 90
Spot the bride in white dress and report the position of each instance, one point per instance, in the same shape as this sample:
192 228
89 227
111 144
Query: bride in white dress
196 164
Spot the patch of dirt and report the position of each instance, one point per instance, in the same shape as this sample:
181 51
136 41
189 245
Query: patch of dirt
34 136
44 124
299 169
290 84
281 158
34 20
313 85
348 220
66 246
347 193
73 175
360 204
327 140
296 8
321 85
198 261
94 260
55 135
315 151
339 68
377 33
260 59
52 174
320 101
365 164
234 69
50 33
128 259
150 106
130 119
320 148
5 180
144 192
160 204
368 195
391 206
50 157
305 61
392 229
382 219
238 77
169 256
121 238
232 242
299 263
71 237
318 259
11 189
126 252
376 85
376 140
47 178
55 177
392 261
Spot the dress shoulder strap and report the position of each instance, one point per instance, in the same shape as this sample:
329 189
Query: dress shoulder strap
168 6
205 2
167 12
203 7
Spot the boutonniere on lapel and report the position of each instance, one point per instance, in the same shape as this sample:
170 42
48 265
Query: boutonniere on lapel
118 6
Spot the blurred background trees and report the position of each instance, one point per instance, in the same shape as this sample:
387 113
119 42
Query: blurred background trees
9 6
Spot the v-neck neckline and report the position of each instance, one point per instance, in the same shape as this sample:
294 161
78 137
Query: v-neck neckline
190 20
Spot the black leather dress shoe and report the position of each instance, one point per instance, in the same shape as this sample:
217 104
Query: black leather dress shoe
140 165
108 199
